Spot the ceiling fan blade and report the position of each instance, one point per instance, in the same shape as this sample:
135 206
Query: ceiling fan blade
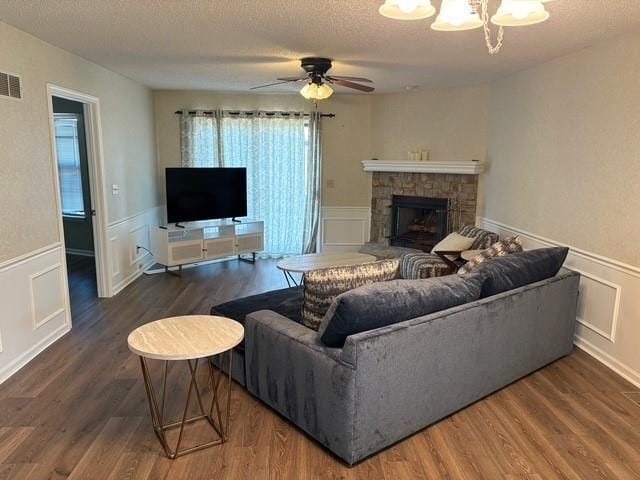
348 84
355 79
271 84
293 79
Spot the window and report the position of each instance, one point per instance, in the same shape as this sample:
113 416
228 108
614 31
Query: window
283 181
69 169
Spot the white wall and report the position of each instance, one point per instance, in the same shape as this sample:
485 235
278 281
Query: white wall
451 122
33 289
563 153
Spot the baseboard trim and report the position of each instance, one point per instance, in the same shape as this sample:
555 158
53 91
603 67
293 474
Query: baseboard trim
17 363
132 277
625 372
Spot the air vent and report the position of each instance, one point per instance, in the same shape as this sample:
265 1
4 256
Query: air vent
10 86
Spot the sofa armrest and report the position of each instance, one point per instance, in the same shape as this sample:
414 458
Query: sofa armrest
291 371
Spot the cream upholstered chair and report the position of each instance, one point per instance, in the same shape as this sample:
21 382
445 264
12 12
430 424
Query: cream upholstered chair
427 265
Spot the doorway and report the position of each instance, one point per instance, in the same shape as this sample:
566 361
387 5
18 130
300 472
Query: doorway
77 163
75 198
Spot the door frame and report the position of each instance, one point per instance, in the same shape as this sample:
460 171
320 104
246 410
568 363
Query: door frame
97 188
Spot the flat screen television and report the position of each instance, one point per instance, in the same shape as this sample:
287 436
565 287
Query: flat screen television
205 193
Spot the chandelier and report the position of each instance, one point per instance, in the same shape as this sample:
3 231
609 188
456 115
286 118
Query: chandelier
457 15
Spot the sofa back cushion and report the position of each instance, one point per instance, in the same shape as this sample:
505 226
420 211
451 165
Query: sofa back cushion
381 304
506 246
322 286
518 269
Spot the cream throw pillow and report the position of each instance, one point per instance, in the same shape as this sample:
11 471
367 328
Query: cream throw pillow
454 242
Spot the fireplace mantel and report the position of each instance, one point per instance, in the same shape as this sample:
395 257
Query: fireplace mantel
456 167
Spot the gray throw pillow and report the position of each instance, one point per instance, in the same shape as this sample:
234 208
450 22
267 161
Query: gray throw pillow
380 304
518 269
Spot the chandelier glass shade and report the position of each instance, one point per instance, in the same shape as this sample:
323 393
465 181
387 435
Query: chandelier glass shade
407 9
515 13
458 15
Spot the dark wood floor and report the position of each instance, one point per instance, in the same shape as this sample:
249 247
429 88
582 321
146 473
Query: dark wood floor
78 410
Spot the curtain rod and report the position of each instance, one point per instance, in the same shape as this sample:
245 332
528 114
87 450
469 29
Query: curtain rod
251 112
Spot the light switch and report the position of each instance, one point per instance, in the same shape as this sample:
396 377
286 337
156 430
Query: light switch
115 189
331 183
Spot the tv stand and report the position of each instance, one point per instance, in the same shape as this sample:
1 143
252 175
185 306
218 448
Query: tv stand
235 220
173 246
179 226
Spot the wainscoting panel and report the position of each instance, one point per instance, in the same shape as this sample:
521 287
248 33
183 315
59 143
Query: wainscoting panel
128 263
609 305
35 306
46 291
344 229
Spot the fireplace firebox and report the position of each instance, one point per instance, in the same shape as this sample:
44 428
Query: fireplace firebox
419 222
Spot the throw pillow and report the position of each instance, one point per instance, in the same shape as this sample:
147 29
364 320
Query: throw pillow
499 249
453 242
381 304
414 266
482 238
322 286
512 271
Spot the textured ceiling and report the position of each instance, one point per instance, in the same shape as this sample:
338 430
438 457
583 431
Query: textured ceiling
233 45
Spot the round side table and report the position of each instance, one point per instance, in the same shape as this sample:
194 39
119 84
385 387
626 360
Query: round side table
188 338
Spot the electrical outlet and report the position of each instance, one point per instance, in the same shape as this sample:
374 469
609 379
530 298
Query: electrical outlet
115 189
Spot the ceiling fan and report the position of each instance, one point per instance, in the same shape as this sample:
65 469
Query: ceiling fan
317 80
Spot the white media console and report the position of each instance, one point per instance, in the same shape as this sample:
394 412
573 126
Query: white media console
198 241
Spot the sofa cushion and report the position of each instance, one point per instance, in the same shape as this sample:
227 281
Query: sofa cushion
380 304
414 266
501 248
322 286
519 269
287 302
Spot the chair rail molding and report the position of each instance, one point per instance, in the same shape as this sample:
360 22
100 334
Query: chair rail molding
344 229
608 304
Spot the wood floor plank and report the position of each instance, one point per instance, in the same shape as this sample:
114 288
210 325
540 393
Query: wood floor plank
79 409
105 451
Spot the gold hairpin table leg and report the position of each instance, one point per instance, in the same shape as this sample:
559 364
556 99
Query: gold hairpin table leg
157 412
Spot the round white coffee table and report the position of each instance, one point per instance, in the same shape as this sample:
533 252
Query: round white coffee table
316 261
188 338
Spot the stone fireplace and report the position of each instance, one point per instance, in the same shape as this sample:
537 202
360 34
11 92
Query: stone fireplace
435 204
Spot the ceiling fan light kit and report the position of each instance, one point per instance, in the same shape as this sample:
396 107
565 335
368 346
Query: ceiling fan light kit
313 91
317 80
459 15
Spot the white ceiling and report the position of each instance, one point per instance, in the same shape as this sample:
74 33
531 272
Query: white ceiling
227 45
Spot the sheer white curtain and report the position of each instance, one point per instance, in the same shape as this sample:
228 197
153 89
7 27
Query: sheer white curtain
282 154
200 138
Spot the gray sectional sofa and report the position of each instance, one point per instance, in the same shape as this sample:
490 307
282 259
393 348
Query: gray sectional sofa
388 383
